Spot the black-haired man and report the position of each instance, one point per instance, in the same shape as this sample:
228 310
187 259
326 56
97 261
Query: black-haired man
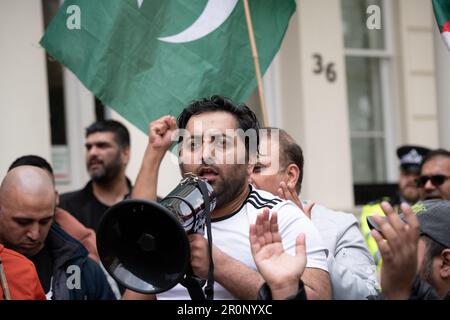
107 155
214 147
435 175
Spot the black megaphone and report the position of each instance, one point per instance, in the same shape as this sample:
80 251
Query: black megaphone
144 244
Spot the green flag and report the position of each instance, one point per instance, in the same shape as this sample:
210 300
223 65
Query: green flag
148 58
442 13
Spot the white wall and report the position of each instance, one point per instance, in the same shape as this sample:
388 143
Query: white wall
24 109
314 111
80 114
418 72
442 58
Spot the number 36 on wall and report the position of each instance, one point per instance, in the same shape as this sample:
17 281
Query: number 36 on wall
329 70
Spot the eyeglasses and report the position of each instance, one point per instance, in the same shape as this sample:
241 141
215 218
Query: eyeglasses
436 180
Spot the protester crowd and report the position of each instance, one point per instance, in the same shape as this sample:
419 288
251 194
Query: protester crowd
267 241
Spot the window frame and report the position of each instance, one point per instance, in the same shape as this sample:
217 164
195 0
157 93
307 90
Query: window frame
389 88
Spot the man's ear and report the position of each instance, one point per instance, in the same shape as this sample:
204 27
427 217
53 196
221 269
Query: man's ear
445 267
126 155
252 160
293 174
57 198
250 167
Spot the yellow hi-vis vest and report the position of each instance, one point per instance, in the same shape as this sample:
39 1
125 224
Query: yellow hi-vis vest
367 211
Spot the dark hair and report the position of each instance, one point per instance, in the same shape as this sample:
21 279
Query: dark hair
433 249
290 153
31 160
121 134
433 154
246 118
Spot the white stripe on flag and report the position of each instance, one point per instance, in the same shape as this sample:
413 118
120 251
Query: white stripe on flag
446 37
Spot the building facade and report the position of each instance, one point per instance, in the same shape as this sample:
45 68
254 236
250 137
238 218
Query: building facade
353 80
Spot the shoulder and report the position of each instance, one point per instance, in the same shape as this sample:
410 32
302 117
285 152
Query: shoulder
22 277
261 199
257 200
68 248
75 195
18 268
70 224
14 259
339 218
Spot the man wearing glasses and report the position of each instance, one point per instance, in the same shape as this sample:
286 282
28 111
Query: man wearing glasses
434 180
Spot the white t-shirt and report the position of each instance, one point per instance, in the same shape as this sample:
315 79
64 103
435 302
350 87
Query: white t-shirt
231 235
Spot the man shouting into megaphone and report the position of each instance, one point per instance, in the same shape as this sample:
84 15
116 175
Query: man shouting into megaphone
219 143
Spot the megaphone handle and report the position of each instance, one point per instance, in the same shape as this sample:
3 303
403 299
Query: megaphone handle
209 290
193 285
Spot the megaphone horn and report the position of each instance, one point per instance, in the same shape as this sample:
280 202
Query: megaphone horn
144 244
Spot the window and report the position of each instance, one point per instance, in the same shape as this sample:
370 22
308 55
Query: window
55 79
369 56
72 109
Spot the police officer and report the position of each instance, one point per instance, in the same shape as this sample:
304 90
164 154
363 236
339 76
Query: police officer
411 158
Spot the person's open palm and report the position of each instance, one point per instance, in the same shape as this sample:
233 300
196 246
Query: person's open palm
398 245
277 267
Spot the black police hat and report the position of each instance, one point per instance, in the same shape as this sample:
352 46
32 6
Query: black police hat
411 157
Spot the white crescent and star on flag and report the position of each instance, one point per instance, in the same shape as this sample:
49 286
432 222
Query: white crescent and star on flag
216 12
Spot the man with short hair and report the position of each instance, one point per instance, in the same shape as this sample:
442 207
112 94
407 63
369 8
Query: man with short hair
435 175
211 138
411 158
27 208
351 267
107 155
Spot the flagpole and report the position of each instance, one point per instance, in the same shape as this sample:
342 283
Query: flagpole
251 36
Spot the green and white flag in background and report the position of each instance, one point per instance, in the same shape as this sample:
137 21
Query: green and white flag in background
148 58
442 13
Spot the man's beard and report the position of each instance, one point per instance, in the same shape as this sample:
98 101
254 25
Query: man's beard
226 189
107 172
410 194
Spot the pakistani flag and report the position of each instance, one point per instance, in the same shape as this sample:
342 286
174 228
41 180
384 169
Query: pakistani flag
148 58
442 13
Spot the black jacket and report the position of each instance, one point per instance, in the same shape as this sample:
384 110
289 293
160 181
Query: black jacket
421 290
70 259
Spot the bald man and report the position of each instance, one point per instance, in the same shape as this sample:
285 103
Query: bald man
27 208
